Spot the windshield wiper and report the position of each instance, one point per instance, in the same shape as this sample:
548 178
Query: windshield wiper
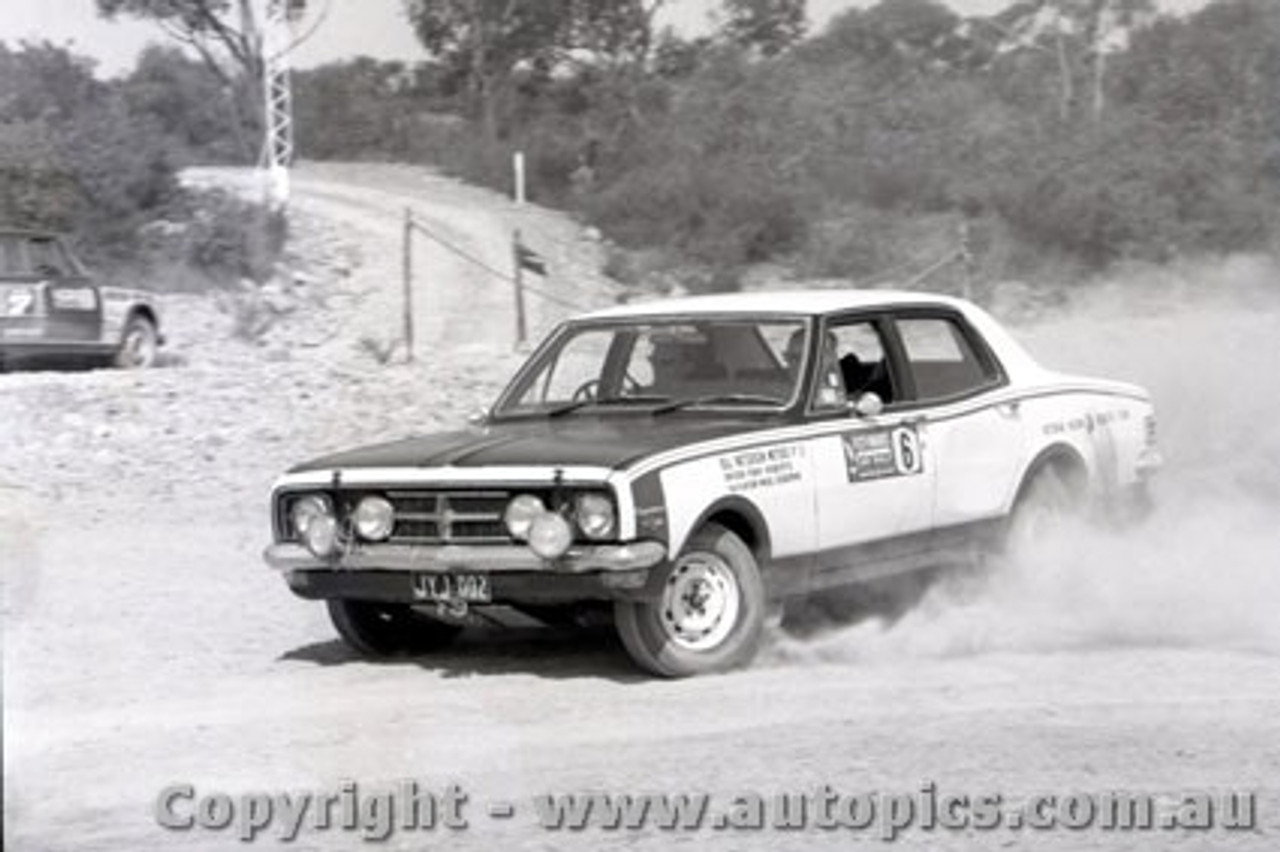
720 399
636 399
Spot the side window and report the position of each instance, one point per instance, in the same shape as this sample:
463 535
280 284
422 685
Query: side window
942 362
853 363
46 258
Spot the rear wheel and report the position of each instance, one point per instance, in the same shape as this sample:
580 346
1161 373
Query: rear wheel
1051 500
708 614
139 344
377 630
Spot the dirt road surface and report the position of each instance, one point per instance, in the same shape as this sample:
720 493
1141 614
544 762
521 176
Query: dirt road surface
145 643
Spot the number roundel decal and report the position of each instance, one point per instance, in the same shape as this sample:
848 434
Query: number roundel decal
906 450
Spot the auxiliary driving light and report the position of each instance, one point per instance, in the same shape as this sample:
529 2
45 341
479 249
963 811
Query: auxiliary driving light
321 537
374 518
520 514
550 536
594 514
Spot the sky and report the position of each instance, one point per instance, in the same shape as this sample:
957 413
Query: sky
351 27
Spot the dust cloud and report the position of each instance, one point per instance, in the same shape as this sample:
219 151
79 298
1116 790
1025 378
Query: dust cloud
1203 571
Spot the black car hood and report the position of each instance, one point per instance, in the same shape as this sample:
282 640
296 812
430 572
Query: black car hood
613 442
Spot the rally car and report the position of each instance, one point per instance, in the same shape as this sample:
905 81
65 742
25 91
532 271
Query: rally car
690 464
51 308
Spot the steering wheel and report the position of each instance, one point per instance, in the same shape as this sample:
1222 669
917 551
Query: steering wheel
589 390
586 392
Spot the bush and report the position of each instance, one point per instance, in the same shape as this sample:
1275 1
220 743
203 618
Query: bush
213 238
72 157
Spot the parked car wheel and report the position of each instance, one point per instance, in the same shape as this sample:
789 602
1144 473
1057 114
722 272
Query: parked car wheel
708 615
138 345
378 630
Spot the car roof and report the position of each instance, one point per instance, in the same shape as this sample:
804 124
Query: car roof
27 232
1018 363
800 303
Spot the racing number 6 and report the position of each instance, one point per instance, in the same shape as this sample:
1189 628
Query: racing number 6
906 450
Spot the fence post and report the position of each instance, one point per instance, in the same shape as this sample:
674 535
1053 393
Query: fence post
517 161
966 261
518 263
406 267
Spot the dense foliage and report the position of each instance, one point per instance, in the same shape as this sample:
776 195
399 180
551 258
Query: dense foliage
98 160
1058 137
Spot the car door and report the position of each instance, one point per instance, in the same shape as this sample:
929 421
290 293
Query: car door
973 432
73 305
873 472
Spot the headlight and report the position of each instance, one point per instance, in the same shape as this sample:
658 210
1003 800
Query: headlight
550 535
594 514
321 537
520 514
313 521
374 517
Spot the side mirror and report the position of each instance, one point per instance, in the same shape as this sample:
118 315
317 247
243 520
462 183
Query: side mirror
479 417
868 404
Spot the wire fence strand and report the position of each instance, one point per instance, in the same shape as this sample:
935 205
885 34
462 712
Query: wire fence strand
495 272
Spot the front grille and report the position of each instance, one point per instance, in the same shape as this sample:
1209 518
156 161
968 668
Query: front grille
445 517
430 515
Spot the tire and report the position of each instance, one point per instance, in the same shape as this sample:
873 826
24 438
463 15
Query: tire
1047 503
139 344
708 614
380 630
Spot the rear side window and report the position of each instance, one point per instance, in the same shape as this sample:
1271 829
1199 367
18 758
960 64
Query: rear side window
941 359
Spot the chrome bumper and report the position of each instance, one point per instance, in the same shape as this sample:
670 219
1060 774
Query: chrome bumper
290 556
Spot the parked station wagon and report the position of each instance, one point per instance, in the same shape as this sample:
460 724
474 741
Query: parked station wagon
51 308
693 463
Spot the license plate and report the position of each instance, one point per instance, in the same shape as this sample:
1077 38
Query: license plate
472 588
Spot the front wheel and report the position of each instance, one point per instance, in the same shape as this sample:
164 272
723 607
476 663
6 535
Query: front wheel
708 615
377 630
139 344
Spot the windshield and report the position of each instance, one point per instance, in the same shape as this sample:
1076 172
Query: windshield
667 364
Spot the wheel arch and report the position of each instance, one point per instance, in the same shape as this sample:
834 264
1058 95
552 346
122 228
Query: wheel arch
1061 458
741 517
143 311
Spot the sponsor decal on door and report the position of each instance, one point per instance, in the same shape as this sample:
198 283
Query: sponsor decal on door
882 453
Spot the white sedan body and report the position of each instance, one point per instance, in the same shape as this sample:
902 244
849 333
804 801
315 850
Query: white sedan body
689 460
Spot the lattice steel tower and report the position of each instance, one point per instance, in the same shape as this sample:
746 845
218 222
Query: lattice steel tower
277 41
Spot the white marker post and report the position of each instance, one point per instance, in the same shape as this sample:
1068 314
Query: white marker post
518 165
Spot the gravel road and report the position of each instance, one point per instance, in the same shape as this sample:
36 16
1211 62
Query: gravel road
145 643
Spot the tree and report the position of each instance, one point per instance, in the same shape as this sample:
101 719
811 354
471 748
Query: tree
770 26
218 30
1080 35
487 40
226 35
72 155
190 103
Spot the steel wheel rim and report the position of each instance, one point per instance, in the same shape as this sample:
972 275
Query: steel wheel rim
700 602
